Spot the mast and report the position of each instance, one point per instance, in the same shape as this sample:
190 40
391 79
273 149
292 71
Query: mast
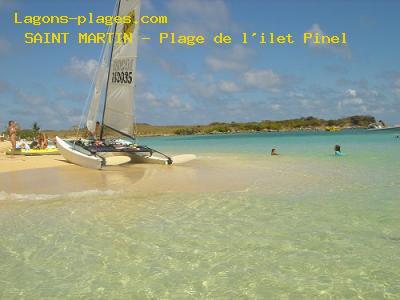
108 76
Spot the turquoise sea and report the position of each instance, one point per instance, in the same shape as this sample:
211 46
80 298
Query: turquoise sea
234 224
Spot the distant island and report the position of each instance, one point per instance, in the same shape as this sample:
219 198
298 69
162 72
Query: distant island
304 123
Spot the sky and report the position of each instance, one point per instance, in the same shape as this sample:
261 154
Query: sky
178 84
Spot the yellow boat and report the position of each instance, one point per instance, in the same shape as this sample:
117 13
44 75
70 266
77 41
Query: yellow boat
332 129
33 152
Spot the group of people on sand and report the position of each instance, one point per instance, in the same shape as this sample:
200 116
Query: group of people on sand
40 142
337 148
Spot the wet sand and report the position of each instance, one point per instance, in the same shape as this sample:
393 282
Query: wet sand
63 177
54 175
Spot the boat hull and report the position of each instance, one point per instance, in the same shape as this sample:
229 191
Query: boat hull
136 158
394 128
147 159
79 156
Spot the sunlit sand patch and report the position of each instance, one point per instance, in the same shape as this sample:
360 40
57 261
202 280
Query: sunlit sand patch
205 174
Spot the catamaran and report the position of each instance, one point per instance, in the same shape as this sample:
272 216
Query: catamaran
114 86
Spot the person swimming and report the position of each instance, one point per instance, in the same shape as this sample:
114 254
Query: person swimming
338 151
273 152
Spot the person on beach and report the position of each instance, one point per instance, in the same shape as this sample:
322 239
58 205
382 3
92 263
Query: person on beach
93 136
338 151
12 134
97 130
40 141
273 152
44 142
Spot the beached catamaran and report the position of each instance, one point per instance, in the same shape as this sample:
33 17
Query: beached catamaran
114 87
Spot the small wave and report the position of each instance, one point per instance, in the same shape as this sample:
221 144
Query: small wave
4 196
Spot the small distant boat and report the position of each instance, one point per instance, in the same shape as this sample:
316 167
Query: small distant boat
332 129
389 128
379 126
115 84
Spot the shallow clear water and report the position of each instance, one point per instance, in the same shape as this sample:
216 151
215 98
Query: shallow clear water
302 225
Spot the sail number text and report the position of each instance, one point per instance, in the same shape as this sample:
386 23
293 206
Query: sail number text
121 77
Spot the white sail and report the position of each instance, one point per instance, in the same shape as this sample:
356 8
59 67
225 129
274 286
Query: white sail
100 81
118 113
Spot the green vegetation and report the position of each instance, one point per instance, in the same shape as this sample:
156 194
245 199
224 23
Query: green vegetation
30 134
305 123
308 123
35 127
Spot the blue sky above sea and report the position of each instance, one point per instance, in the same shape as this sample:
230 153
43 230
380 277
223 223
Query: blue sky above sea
196 85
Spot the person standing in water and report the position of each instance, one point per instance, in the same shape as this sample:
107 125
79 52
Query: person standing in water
338 151
273 152
12 134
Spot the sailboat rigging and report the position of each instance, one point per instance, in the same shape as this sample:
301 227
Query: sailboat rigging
116 71
108 76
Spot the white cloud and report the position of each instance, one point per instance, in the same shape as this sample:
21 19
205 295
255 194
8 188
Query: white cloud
315 28
217 64
340 49
233 59
266 80
21 96
57 114
275 107
28 106
29 99
175 102
296 94
68 94
351 93
228 86
353 101
81 69
150 99
176 68
203 87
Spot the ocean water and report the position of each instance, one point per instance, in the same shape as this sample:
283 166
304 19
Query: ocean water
234 224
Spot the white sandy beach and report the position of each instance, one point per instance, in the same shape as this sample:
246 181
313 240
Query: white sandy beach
52 174
9 163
